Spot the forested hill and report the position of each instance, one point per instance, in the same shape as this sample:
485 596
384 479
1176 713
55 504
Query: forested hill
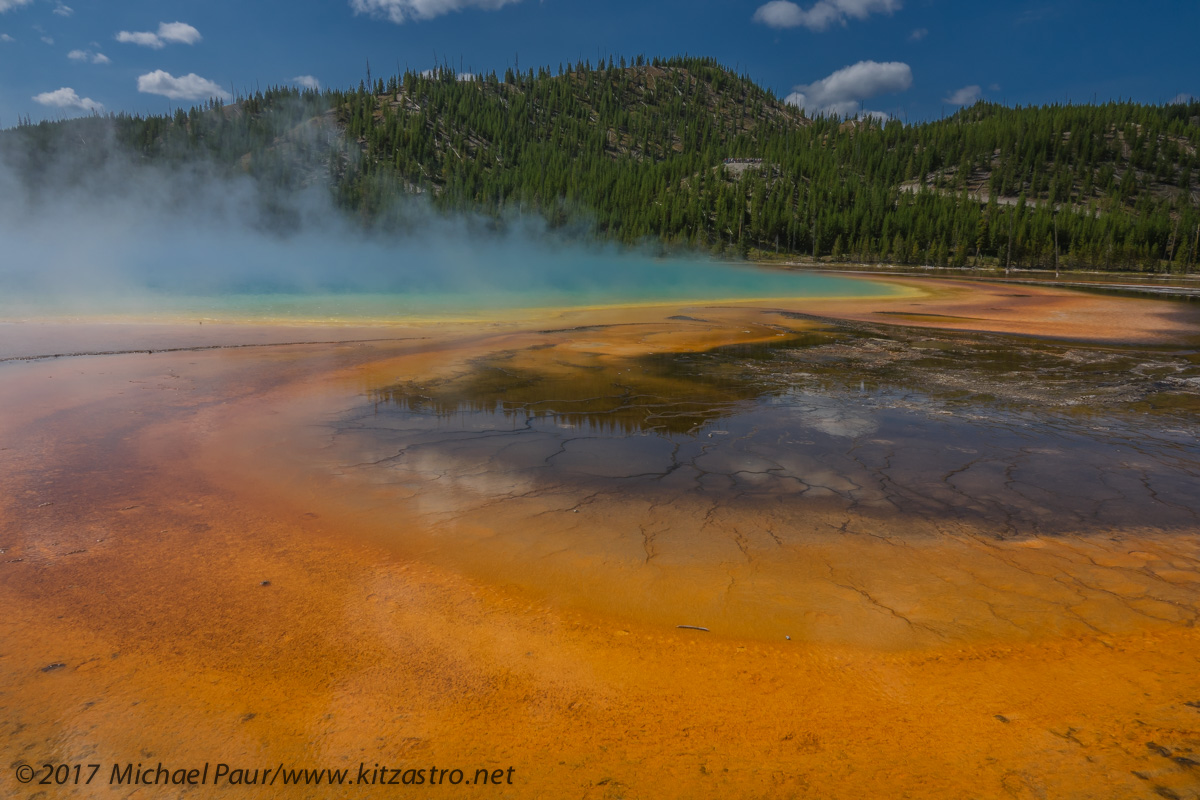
688 153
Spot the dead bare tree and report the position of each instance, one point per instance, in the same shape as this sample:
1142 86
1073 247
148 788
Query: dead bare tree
1056 242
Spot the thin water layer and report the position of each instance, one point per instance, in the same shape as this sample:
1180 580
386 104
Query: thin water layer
454 289
1028 438
733 485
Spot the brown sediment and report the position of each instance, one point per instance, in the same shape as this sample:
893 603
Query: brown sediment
182 532
1025 310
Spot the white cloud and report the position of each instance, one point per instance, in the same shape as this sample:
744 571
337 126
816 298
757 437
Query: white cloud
307 81
179 32
48 39
842 92
168 33
399 11
63 11
145 39
1182 98
994 87
185 87
786 14
8 5
4 37
67 98
88 55
918 34
966 96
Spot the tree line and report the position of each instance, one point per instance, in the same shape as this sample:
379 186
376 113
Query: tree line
637 151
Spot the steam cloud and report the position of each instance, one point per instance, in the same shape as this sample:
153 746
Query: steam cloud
128 237
91 229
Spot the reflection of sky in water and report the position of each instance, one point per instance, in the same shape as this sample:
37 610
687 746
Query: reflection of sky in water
728 425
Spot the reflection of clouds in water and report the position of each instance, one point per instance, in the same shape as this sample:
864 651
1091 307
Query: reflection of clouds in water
835 422
441 477
858 449
445 478
829 416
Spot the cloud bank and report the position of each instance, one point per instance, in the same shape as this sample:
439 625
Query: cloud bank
843 92
400 11
168 33
786 14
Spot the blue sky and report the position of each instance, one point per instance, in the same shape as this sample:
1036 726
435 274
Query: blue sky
912 59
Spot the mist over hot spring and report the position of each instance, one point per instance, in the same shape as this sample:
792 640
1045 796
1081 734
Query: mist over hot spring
134 238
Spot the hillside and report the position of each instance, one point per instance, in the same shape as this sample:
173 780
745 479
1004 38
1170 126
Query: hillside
684 152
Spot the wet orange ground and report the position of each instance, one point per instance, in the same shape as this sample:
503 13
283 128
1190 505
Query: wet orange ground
146 499
1027 309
